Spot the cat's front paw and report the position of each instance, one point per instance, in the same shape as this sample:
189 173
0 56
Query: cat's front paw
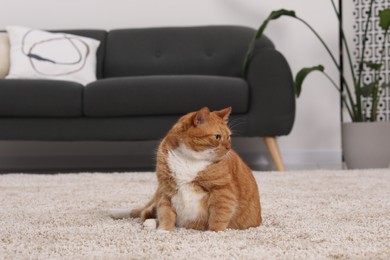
165 228
163 231
217 227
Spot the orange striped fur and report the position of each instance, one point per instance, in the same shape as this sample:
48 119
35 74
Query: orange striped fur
202 183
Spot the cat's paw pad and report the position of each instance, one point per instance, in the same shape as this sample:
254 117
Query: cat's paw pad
150 223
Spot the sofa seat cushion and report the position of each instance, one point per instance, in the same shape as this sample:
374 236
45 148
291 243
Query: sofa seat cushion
163 95
40 98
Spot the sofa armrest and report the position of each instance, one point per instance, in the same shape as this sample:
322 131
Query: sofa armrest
272 99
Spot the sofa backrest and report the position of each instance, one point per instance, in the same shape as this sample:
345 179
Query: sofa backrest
205 50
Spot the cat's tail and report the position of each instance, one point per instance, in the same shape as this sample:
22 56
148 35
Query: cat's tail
119 213
146 212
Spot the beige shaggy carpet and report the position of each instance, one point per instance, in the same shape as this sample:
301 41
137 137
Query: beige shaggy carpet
308 214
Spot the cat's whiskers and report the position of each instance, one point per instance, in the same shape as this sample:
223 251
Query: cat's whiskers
235 123
228 154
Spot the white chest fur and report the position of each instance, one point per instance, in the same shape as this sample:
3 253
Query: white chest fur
186 203
185 165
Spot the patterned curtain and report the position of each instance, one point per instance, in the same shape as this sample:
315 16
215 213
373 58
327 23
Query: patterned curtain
373 47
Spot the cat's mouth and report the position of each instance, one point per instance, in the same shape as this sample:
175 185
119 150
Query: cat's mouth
221 154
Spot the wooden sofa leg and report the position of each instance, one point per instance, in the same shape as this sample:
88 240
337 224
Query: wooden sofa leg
273 149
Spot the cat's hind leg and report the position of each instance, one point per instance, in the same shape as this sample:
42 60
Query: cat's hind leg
146 212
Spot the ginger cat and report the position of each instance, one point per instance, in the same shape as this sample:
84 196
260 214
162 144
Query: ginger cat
202 183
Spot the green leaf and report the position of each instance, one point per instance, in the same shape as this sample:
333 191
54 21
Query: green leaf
273 16
302 74
384 19
373 66
368 89
278 13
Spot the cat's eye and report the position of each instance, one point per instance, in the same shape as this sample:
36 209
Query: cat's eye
218 136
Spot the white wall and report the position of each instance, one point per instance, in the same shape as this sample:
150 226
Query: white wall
315 138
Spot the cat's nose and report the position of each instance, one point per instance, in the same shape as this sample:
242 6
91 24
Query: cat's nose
227 145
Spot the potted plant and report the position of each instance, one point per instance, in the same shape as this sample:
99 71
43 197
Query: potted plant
362 144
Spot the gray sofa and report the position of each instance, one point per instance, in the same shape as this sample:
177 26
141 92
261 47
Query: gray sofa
149 77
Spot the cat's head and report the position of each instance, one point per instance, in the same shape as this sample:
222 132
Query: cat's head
203 132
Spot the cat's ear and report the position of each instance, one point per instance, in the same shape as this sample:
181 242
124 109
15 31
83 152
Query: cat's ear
224 113
201 116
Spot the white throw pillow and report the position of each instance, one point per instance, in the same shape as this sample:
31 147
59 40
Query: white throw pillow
37 54
4 55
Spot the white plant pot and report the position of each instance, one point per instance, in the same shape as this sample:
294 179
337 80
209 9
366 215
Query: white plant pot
366 145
